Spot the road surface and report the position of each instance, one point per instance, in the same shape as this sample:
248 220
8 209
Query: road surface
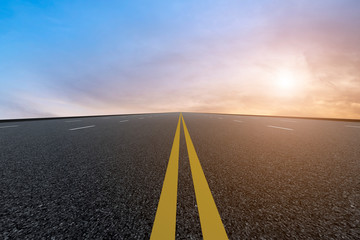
102 177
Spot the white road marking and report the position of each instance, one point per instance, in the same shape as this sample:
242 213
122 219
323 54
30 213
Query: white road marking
72 129
353 126
124 120
289 129
237 121
11 126
292 121
141 118
70 121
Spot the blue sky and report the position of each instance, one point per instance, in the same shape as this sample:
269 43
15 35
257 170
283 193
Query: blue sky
61 58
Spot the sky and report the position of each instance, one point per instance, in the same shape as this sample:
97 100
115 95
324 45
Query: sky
265 57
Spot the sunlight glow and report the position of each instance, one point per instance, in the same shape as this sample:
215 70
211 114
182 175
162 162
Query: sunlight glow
286 81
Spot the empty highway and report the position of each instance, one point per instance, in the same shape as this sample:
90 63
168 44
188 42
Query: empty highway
103 177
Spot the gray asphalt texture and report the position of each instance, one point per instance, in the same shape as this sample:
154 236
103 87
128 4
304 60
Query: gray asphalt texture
105 182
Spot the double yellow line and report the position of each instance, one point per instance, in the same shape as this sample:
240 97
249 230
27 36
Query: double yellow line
165 220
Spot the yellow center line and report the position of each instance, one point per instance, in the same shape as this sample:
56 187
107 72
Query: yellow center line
165 219
211 224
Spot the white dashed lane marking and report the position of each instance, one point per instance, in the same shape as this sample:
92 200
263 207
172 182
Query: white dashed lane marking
289 129
353 126
72 129
10 126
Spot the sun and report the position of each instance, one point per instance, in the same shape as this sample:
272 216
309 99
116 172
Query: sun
286 80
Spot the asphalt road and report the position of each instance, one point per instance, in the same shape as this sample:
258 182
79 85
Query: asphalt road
101 177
